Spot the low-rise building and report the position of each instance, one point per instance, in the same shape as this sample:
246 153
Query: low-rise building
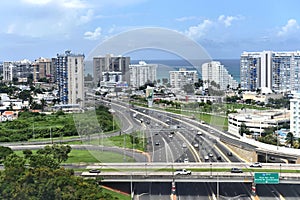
257 120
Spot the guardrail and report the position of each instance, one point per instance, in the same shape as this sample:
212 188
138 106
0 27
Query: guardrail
195 177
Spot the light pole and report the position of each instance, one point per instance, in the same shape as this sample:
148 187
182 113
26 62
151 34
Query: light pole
279 170
217 186
131 191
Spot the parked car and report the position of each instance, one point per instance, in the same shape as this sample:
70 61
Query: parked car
236 170
229 153
182 172
256 164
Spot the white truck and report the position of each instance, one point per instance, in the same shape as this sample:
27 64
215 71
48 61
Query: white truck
182 172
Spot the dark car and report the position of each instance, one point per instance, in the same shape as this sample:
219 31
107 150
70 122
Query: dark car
94 171
229 153
236 170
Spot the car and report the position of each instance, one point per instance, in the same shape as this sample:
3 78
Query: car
94 171
219 157
210 155
186 160
183 145
199 133
256 164
272 158
206 158
182 172
170 136
236 170
229 153
157 143
196 145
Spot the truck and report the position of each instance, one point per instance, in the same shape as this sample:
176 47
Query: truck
182 172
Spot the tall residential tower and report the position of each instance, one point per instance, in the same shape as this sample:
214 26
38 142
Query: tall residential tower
142 73
215 71
110 69
70 78
277 71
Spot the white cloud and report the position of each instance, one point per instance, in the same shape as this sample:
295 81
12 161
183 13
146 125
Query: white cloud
198 31
37 2
182 19
74 4
227 20
291 27
11 29
93 35
87 17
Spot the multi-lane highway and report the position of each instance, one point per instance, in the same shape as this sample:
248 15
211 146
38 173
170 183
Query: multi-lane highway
173 140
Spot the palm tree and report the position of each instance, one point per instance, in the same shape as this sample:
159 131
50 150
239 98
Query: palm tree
43 104
290 139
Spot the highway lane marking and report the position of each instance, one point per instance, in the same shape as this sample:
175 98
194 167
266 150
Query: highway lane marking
190 147
217 148
167 148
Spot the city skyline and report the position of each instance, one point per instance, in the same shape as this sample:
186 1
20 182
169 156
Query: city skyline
42 28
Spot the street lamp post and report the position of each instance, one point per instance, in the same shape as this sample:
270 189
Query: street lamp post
217 186
131 189
279 170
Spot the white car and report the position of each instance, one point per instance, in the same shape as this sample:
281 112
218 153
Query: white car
186 160
182 172
183 145
199 133
256 164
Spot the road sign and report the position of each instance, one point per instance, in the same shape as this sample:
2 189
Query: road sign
266 178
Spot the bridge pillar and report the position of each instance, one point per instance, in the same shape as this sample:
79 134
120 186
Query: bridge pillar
254 156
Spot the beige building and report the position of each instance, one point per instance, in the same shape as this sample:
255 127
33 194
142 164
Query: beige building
111 69
42 68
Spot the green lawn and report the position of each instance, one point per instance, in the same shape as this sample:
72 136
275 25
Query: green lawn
116 194
119 141
86 156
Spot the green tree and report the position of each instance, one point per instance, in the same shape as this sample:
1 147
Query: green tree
43 104
4 152
290 139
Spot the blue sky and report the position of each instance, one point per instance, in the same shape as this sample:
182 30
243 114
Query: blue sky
42 28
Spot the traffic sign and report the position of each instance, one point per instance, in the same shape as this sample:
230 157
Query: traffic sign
266 178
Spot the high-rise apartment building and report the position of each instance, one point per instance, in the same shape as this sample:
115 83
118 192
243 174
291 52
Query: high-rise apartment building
142 73
215 71
178 79
295 115
111 69
277 71
70 78
17 69
42 68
